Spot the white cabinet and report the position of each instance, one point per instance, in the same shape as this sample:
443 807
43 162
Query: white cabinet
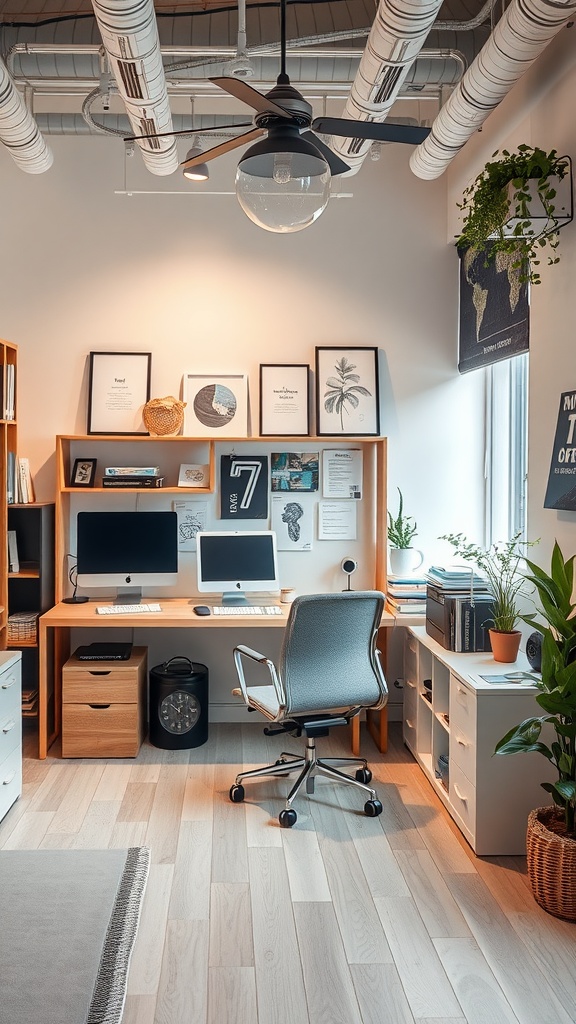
10 729
451 712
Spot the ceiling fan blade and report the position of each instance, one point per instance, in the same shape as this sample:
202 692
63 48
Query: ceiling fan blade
223 147
244 92
377 131
336 165
185 131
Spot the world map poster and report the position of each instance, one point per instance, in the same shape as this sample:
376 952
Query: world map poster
494 310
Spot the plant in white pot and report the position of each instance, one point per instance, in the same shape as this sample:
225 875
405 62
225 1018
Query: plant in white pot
404 558
551 834
500 565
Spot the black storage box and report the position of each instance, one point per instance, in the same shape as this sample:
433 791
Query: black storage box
178 704
456 621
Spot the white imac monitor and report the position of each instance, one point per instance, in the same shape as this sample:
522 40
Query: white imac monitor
232 563
134 550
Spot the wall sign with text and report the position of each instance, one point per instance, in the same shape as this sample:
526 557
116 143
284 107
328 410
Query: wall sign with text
244 487
561 490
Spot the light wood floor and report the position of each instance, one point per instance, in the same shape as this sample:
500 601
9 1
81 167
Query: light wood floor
342 920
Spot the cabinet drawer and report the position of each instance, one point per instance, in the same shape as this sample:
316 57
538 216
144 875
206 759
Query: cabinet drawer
463 798
463 752
410 711
10 695
10 780
104 682
107 730
463 710
10 732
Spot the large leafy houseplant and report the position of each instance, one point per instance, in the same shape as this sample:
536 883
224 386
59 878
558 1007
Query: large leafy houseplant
488 203
557 696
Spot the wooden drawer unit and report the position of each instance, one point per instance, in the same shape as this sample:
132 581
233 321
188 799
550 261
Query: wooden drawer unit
10 730
104 706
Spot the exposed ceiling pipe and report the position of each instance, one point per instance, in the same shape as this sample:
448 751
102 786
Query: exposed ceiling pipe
524 30
18 129
130 37
396 37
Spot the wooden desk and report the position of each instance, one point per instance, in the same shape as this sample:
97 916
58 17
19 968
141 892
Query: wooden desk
176 613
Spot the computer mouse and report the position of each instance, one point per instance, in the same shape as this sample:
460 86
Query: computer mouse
202 609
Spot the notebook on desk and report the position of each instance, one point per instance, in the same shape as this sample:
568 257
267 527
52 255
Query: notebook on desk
102 651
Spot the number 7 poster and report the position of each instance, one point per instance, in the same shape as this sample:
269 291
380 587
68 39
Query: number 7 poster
244 487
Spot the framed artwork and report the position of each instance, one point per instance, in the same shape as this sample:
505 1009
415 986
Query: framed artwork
83 473
561 489
118 389
216 405
347 392
284 400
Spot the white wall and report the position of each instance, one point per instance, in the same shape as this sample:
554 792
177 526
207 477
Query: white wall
539 112
198 285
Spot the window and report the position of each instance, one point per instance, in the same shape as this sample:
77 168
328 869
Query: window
506 448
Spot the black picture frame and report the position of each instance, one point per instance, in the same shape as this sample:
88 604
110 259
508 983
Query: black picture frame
83 473
118 389
357 367
288 417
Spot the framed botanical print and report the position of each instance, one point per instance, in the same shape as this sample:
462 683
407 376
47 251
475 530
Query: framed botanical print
347 392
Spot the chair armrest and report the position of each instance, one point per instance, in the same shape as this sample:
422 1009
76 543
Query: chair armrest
246 652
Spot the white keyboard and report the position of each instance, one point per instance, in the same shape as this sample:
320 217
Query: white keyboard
127 609
247 609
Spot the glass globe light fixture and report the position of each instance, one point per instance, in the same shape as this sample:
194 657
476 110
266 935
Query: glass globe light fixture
283 182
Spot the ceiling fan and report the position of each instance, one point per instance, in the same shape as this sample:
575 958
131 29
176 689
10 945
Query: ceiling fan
283 180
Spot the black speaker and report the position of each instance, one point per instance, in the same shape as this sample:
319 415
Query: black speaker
534 651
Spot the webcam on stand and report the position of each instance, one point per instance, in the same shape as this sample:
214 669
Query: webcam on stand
348 566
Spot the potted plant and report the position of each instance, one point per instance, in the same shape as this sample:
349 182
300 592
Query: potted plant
505 190
551 835
401 530
500 565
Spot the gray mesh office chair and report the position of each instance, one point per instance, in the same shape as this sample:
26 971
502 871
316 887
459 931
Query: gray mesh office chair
328 671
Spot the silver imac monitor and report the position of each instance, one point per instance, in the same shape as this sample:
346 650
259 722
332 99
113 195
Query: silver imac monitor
230 564
133 550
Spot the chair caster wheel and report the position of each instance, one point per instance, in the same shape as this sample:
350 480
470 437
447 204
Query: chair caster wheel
287 818
236 793
364 775
372 808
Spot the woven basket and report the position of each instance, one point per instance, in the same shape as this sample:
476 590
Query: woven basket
163 416
551 863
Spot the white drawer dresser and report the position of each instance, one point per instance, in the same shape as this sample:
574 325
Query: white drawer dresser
462 718
10 729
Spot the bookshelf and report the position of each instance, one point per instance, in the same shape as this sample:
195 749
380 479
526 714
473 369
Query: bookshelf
8 448
31 589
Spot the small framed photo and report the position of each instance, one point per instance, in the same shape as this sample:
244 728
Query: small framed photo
216 405
193 475
284 400
347 392
84 473
118 389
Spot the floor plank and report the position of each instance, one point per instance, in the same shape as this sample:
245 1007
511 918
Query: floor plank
342 920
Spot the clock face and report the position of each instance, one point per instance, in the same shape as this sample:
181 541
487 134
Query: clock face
179 712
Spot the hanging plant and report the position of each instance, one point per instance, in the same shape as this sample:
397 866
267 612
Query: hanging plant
504 190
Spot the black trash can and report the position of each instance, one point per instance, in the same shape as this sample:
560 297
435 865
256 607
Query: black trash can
178 704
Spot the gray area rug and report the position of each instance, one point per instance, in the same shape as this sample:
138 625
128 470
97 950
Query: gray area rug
68 921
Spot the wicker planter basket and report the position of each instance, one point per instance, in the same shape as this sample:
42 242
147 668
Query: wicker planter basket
163 417
551 863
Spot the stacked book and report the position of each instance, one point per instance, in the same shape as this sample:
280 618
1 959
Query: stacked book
407 594
29 702
132 476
